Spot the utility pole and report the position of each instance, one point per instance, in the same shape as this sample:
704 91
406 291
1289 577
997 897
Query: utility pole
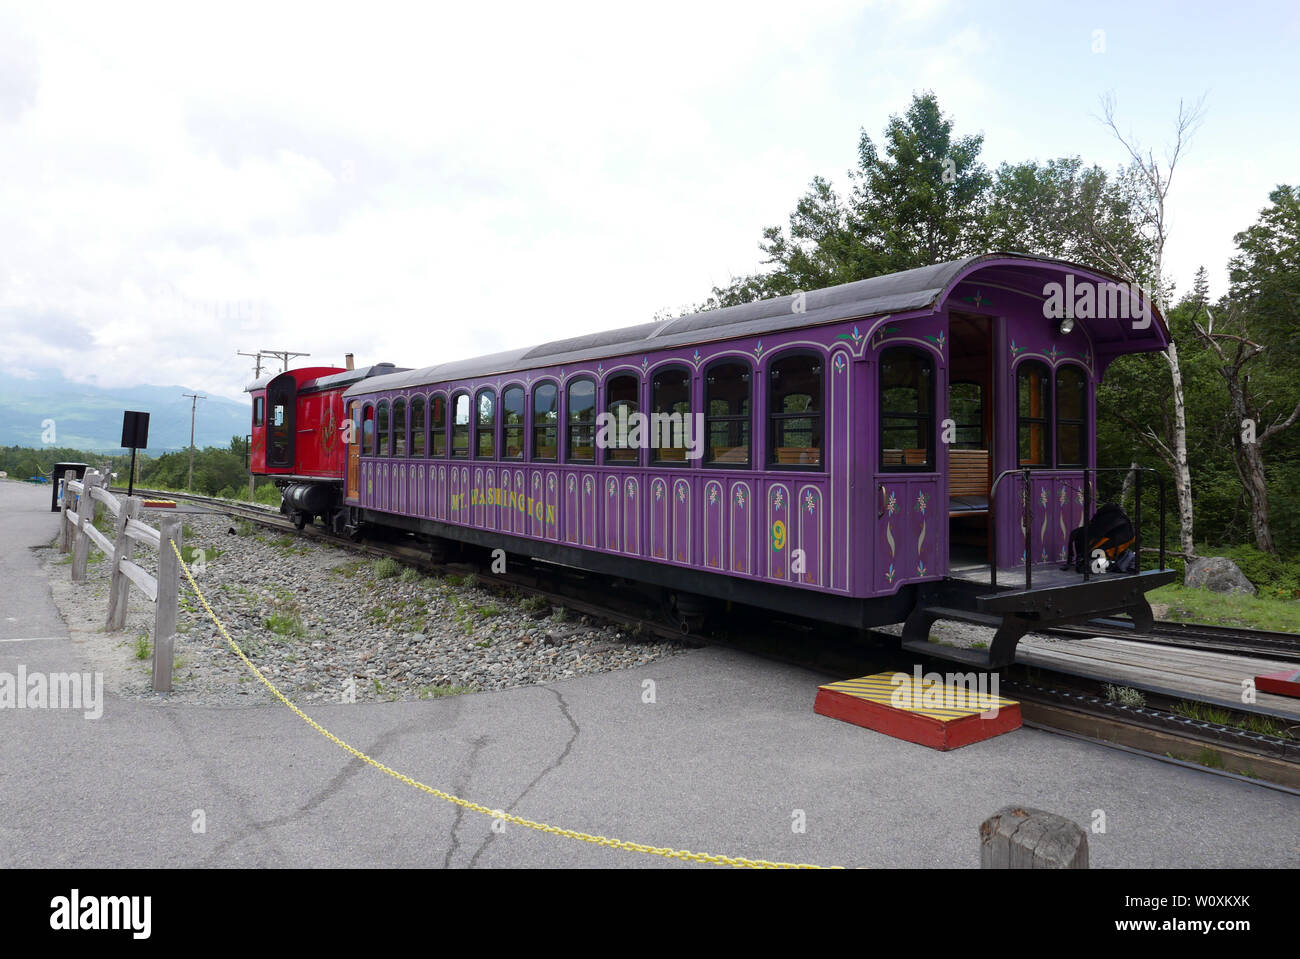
194 403
284 356
257 359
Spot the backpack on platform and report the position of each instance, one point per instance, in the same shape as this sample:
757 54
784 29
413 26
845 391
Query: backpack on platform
1111 532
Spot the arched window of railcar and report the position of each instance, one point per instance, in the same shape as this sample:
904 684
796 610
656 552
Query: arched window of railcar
513 427
485 425
368 430
670 415
399 428
727 392
906 411
438 425
794 411
581 416
546 422
1071 415
381 431
417 426
622 400
1033 414
460 426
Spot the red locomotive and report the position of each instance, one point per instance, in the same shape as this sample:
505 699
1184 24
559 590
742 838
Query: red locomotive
299 436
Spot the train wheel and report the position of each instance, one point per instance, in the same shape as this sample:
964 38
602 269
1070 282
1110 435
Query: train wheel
299 520
687 612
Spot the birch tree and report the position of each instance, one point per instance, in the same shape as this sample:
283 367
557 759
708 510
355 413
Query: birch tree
1151 180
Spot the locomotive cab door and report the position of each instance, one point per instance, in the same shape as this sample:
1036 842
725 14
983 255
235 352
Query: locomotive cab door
281 402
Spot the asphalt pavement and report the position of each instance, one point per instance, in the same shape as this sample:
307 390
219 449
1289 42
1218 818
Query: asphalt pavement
723 761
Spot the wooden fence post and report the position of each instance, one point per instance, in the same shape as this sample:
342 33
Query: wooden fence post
1016 837
85 517
65 544
165 612
119 590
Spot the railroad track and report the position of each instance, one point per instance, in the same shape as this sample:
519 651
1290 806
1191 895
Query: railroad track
1055 701
1240 640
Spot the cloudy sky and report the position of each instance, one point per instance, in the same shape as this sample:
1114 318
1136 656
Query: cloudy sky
423 183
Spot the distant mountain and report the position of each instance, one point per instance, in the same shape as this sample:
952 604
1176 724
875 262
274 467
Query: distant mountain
90 417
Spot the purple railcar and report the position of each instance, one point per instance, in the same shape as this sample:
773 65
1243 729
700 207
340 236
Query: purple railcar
864 447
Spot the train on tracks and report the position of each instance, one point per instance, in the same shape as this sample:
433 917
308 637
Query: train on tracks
906 448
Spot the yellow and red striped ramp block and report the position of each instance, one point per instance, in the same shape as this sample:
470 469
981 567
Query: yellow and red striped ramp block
897 705
1285 683
159 503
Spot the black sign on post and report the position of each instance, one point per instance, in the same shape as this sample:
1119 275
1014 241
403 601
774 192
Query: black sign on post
135 436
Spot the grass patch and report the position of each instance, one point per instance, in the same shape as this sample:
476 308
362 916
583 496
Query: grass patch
1203 712
386 568
284 624
1125 695
410 575
438 692
350 569
244 528
560 614
143 648
535 605
1223 609
191 553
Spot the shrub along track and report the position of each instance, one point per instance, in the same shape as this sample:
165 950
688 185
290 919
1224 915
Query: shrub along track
1244 744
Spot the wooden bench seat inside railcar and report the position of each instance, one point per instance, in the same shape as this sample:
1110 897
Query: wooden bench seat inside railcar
968 482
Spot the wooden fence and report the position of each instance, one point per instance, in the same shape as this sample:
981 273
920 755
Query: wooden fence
81 501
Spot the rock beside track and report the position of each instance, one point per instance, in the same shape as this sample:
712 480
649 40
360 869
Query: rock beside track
326 625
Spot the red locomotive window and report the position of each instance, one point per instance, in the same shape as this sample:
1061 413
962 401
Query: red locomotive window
794 412
622 399
259 410
417 426
581 416
727 414
438 421
546 422
460 426
512 423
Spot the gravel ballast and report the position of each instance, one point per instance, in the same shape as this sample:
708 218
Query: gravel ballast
328 625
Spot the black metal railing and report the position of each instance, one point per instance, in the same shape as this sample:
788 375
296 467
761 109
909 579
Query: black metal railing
1028 517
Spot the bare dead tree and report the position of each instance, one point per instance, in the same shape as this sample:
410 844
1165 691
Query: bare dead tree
1234 351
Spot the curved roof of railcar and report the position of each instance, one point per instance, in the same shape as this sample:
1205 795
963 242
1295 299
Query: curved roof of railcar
903 292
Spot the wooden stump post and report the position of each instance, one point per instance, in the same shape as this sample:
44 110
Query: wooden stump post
85 517
1016 837
165 613
119 590
65 544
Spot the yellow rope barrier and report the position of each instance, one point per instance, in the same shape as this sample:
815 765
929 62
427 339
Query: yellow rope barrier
495 814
